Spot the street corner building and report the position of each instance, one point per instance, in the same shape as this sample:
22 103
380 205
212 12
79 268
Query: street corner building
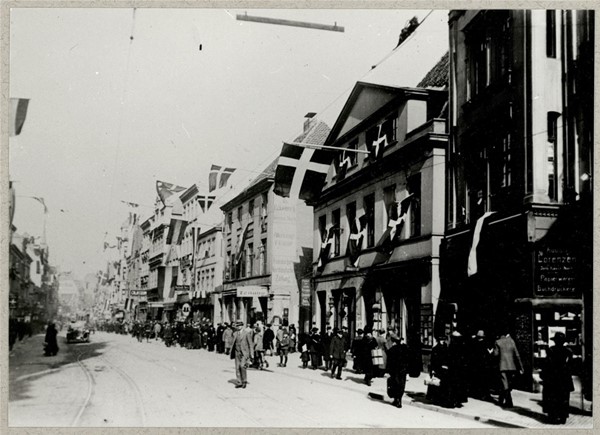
378 221
517 252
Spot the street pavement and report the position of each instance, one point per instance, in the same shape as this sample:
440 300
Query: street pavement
116 381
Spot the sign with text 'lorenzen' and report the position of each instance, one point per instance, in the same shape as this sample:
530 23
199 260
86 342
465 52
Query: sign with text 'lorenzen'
249 291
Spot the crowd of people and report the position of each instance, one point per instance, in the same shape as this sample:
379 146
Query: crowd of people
460 367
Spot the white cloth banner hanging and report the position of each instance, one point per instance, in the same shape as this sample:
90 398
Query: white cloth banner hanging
472 263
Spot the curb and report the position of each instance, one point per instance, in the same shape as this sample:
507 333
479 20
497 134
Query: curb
491 421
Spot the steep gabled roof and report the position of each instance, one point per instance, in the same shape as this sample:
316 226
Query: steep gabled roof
437 77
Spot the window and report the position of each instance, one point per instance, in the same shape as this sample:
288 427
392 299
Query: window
427 325
263 212
350 215
552 167
335 222
413 184
263 250
251 208
239 214
353 145
322 226
228 270
229 220
488 59
250 259
389 197
551 33
369 207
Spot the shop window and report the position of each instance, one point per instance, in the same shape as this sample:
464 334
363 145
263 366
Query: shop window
548 322
369 207
427 325
335 222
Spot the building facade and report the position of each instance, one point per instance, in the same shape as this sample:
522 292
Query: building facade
378 221
519 166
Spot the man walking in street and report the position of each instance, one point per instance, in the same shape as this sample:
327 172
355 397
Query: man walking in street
268 338
397 367
337 354
242 350
509 364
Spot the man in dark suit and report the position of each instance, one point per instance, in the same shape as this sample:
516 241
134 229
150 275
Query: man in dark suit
242 350
509 363
337 354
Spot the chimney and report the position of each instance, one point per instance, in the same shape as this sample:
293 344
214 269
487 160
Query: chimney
308 121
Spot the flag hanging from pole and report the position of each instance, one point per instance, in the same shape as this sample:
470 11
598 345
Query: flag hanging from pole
301 171
358 234
218 177
326 242
18 113
205 202
168 194
472 262
176 231
343 166
396 218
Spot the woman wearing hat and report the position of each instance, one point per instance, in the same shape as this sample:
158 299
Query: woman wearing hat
397 367
558 383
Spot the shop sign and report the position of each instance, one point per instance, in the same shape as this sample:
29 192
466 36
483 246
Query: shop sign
555 272
249 291
185 310
134 293
305 291
181 288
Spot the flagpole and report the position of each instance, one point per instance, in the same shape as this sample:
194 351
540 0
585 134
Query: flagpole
326 147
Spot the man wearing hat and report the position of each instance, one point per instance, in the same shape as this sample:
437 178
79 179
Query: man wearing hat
397 367
337 353
558 383
315 348
481 362
509 362
242 350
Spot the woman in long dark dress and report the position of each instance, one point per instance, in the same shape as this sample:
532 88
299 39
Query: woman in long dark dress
558 383
50 342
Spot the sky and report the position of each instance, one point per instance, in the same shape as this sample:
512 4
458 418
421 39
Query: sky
110 114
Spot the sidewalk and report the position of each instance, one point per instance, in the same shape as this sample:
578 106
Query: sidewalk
527 412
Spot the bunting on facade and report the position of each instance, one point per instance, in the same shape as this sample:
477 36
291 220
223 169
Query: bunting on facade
358 234
472 263
218 177
18 113
326 242
396 218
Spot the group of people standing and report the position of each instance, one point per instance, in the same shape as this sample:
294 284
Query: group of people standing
480 367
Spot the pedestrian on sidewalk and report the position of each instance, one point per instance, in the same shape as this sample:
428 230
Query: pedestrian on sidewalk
259 361
369 344
268 338
558 383
482 366
440 368
242 350
228 338
509 363
315 348
326 343
303 343
293 338
157 330
357 351
337 353
397 366
219 338
381 345
458 369
50 342
284 347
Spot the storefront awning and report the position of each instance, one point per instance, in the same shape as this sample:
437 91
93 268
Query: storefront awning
346 282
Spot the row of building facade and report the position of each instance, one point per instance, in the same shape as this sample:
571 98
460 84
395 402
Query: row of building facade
462 203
